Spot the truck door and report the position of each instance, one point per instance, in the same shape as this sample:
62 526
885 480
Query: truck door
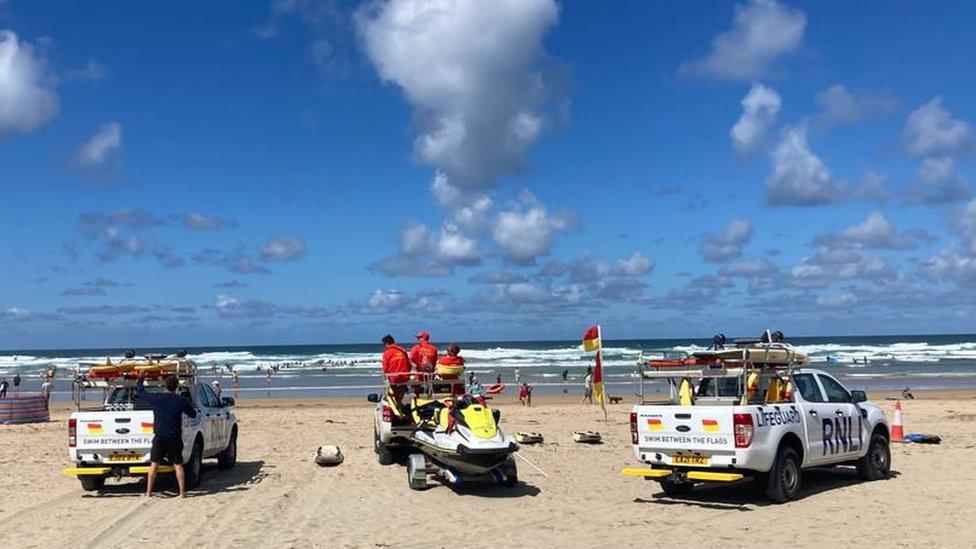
206 421
848 425
217 421
815 408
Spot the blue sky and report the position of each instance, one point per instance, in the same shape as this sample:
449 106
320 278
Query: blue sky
301 171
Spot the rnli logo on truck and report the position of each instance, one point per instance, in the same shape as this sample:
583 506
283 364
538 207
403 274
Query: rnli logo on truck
839 435
777 417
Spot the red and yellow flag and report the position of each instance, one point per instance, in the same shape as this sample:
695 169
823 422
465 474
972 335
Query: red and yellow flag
591 339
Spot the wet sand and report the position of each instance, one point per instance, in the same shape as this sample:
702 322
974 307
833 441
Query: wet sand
277 497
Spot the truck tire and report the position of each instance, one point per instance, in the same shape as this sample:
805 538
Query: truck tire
384 455
510 470
228 458
194 467
91 483
675 488
783 483
876 463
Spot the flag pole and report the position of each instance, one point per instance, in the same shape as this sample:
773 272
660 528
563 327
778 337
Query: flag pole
599 361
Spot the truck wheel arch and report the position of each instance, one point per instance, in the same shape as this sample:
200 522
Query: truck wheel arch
881 429
794 442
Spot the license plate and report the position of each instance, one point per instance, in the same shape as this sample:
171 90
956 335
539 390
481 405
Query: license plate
689 460
124 458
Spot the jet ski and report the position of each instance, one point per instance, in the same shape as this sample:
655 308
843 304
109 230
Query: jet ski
456 439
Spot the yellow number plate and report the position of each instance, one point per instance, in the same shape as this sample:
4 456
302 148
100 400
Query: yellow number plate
689 460
126 458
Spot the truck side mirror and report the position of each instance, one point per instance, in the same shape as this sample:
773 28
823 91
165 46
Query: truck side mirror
373 397
858 396
227 401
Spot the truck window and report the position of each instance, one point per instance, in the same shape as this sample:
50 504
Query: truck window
808 388
718 387
207 396
835 391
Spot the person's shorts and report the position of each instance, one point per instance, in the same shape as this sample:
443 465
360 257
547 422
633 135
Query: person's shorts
168 449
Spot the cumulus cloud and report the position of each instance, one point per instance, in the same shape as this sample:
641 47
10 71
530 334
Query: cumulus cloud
762 32
201 222
930 130
830 264
941 182
236 261
799 177
100 149
636 265
874 232
720 247
230 307
92 288
282 248
123 233
478 100
28 96
524 232
759 109
838 105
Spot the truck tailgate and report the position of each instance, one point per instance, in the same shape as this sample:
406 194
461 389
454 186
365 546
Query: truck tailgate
687 428
119 431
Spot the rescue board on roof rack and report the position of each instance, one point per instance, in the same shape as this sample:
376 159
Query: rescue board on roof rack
766 355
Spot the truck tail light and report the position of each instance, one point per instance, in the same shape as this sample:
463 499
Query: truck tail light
744 430
633 427
72 433
387 414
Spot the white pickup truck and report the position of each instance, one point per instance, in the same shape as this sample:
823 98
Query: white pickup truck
723 437
114 440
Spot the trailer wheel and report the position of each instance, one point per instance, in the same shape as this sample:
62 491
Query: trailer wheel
193 468
417 472
784 479
510 470
876 464
384 455
673 488
90 483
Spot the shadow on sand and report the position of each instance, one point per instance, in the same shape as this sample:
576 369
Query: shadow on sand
748 494
213 481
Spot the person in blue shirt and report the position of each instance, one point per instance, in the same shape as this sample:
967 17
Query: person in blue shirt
168 409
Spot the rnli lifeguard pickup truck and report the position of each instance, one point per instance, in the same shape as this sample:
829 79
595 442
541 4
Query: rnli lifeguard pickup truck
751 410
113 440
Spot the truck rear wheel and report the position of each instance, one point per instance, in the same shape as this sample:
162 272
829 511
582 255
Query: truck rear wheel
783 483
194 467
673 488
228 458
90 483
876 464
384 454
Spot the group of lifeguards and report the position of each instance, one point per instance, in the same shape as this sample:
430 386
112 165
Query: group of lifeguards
420 364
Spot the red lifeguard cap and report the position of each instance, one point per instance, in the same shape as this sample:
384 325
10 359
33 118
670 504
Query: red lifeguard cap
423 335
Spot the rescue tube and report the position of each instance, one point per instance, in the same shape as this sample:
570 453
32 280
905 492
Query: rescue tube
449 369
587 437
19 409
495 389
158 368
328 456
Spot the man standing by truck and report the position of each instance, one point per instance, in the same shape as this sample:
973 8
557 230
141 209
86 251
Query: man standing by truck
168 409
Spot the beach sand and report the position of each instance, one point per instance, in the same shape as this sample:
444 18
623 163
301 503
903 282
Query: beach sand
277 497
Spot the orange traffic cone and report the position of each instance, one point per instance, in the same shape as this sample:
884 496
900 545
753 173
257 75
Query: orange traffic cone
897 431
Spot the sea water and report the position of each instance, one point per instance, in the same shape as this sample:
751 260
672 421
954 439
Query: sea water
893 362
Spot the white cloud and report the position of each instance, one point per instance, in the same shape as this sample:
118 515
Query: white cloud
27 87
838 105
838 300
635 265
759 109
282 248
455 247
728 244
471 71
930 130
385 300
875 232
102 147
799 177
202 222
762 32
524 232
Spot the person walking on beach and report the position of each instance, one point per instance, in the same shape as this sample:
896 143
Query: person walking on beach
168 409
525 394
234 382
16 384
46 389
588 385
3 388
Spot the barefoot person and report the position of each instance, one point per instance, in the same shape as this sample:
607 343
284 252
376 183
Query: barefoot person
168 409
